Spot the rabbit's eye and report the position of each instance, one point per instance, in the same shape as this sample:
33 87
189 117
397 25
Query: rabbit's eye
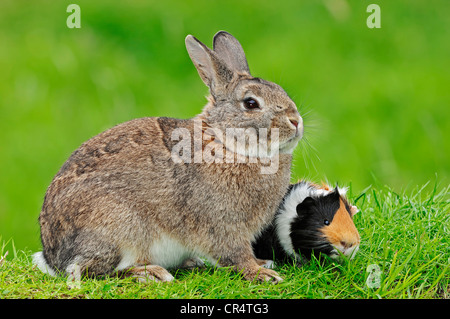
326 222
251 103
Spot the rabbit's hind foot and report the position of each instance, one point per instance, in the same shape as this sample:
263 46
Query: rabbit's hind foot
149 273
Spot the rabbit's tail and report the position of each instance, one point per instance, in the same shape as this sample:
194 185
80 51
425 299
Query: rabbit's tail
41 263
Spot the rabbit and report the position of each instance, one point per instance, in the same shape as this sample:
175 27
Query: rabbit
124 204
310 219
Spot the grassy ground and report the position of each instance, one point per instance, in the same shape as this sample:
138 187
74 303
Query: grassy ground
405 235
375 103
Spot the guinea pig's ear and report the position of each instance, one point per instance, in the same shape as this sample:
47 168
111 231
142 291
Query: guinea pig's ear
353 210
307 202
341 190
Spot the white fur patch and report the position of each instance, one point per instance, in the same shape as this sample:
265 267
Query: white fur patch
342 191
129 258
39 261
348 253
269 264
168 252
164 251
74 274
289 146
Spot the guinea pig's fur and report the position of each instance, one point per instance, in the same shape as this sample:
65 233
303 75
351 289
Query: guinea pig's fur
310 219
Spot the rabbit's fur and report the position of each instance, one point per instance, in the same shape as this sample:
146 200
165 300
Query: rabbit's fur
121 204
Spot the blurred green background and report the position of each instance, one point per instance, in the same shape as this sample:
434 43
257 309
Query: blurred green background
376 102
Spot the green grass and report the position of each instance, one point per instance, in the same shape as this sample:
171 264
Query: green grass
406 235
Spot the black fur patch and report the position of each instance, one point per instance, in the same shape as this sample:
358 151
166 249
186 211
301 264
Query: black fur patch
311 215
267 246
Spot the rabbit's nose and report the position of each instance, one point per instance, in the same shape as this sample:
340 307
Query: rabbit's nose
296 121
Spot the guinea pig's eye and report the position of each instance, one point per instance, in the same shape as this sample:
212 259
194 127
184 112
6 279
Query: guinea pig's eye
326 222
251 103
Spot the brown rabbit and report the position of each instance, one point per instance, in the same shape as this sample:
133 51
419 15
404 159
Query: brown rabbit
125 203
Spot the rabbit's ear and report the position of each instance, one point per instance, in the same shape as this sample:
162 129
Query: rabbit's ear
230 51
211 68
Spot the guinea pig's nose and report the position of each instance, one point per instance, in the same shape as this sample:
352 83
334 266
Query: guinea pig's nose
346 244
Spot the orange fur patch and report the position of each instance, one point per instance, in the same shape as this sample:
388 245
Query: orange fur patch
341 229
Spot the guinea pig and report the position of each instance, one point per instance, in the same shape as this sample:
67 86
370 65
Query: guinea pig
310 220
